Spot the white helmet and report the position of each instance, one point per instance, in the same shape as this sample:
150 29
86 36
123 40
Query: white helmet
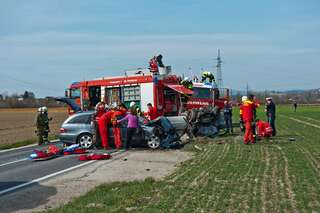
40 109
132 104
186 79
244 98
44 109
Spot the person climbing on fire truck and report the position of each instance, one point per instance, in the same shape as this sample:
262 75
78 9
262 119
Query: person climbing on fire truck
159 60
152 112
248 116
207 77
153 65
187 83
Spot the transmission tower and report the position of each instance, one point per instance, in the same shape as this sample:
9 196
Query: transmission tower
219 72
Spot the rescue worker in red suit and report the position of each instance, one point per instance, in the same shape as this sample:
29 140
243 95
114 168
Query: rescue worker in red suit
103 125
248 108
116 115
153 65
100 109
152 112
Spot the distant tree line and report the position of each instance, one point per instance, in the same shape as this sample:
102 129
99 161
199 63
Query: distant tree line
288 97
26 100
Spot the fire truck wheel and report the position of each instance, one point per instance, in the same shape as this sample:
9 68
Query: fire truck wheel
154 142
85 140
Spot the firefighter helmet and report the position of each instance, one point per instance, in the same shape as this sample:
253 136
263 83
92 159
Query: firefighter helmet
44 109
244 98
132 104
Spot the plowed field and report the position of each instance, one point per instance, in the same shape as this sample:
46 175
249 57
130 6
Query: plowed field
19 124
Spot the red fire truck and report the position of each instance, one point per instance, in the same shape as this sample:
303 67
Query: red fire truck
142 87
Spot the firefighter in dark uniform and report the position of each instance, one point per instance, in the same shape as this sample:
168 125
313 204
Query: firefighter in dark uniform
187 83
271 114
42 125
227 112
207 76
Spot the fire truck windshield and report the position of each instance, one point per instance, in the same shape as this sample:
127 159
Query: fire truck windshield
74 93
201 92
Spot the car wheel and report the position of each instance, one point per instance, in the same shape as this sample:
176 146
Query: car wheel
85 140
154 142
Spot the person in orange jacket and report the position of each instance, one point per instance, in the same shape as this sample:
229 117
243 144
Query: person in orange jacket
248 108
243 99
121 111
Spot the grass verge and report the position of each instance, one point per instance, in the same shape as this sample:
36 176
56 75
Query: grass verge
24 143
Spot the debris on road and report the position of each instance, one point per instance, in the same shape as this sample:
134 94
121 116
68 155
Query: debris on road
51 152
205 122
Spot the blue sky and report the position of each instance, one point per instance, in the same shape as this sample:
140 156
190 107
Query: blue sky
46 44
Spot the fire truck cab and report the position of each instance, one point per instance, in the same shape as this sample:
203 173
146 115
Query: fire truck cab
206 94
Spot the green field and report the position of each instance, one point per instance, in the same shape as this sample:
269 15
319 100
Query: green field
275 175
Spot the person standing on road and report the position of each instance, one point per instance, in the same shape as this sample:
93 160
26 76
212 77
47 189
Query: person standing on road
132 126
227 112
271 114
248 116
42 125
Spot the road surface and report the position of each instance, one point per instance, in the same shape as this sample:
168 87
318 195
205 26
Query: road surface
18 172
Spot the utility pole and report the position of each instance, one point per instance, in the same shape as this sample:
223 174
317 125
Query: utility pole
219 72
247 88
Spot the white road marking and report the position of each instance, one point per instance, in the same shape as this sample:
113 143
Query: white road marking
53 174
31 145
16 161
44 177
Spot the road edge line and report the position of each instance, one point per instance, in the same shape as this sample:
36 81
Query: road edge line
21 147
15 161
5 191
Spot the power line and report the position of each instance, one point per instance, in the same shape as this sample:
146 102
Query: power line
28 83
